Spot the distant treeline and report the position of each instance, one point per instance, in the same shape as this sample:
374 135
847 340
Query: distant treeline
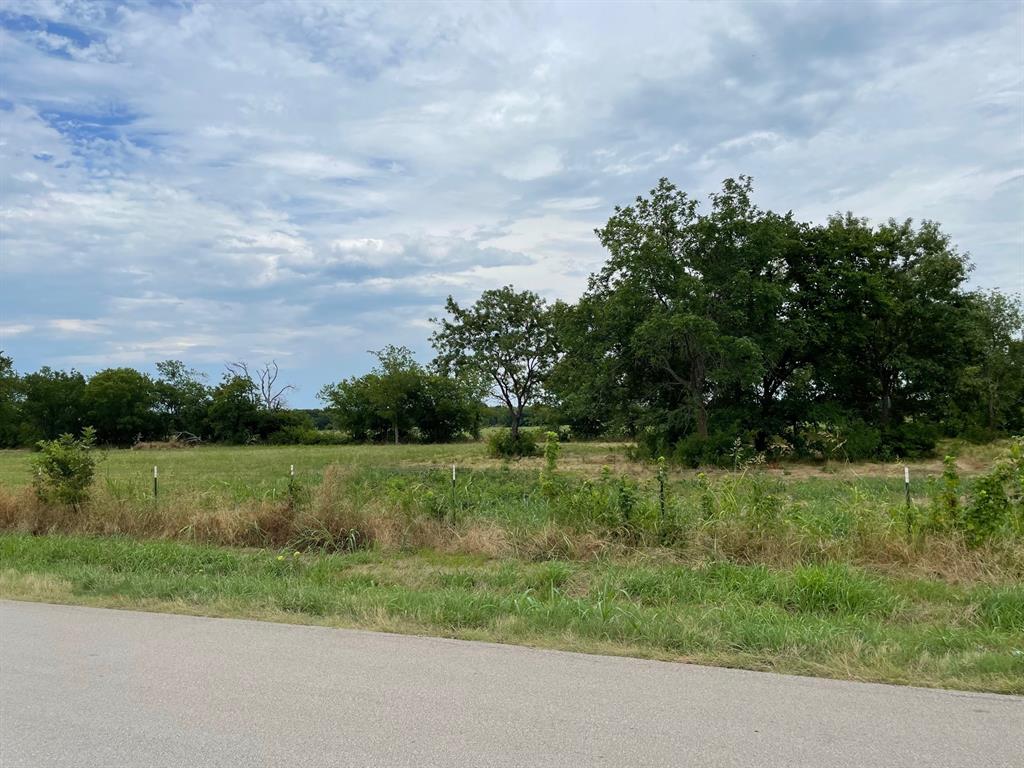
706 335
126 406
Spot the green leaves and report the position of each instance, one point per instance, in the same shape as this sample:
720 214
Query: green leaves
64 468
400 398
507 338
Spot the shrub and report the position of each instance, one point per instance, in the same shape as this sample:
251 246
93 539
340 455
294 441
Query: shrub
822 440
64 468
718 449
547 475
945 505
860 441
988 509
996 499
910 440
501 443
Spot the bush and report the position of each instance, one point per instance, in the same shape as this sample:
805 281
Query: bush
718 449
945 503
910 440
860 441
996 499
501 443
547 476
64 468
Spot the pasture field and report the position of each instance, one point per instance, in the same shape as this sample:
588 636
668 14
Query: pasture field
810 569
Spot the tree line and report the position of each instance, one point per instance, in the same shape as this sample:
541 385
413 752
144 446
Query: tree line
707 332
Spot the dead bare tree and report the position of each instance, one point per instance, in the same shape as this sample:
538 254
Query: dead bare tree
269 394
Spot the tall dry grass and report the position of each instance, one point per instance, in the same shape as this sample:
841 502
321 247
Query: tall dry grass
350 510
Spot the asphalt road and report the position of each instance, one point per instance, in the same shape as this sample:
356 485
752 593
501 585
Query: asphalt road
94 687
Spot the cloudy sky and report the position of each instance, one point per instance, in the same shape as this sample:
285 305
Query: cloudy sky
307 181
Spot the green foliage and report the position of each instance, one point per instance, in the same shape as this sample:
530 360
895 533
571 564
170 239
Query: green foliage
121 404
504 443
718 449
708 325
988 508
548 473
506 339
10 436
627 498
991 386
945 504
51 404
233 414
64 468
996 500
909 440
401 398
182 398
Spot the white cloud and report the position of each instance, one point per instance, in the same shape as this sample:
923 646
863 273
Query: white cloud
212 180
79 326
535 164
312 165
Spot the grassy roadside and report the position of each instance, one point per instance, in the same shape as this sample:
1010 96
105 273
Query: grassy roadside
826 620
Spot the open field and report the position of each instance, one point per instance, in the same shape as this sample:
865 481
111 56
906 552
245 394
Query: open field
259 470
801 568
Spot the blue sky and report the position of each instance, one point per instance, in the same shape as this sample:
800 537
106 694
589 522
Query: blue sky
305 182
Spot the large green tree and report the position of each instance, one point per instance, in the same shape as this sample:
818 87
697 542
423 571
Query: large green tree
992 385
233 413
670 323
895 316
120 403
506 338
182 397
10 413
51 404
401 397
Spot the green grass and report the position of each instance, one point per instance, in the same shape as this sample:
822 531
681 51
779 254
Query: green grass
828 620
255 471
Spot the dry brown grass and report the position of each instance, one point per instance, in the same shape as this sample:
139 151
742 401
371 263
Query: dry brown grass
333 517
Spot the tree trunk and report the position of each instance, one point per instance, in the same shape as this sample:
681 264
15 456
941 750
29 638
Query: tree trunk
396 431
991 408
887 381
702 421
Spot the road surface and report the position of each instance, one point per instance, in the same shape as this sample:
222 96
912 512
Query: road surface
94 687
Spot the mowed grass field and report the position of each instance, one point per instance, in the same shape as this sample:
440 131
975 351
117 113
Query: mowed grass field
254 471
800 568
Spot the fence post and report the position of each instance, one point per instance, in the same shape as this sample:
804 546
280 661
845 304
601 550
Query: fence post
154 481
662 472
906 483
453 492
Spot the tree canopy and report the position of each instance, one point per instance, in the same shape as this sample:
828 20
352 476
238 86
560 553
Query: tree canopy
507 339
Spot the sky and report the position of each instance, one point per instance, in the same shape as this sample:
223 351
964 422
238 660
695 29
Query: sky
304 182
